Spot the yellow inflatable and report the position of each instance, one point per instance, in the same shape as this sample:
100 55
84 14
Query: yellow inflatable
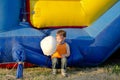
67 13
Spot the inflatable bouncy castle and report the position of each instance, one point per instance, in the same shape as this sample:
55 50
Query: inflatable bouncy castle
92 28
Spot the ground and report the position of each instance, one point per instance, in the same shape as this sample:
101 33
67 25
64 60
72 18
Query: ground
106 71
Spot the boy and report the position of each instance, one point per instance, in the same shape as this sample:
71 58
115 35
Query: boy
61 53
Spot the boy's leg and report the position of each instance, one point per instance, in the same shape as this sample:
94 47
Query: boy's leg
54 65
63 66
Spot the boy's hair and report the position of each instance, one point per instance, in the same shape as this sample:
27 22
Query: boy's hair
61 33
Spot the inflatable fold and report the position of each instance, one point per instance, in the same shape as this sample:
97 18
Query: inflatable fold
89 47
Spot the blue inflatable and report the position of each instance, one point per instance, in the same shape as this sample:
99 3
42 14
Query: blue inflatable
89 46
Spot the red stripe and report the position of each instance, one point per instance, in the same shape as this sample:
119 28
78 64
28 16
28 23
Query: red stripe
28 10
57 27
14 65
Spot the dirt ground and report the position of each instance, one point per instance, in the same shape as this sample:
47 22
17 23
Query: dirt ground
96 73
107 71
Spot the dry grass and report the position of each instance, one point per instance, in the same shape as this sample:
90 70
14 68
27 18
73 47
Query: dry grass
104 72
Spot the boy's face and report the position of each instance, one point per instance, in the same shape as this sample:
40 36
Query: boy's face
60 38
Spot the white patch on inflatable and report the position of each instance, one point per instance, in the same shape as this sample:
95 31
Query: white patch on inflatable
48 45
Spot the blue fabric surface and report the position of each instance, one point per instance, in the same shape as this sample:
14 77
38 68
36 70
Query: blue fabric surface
18 52
19 72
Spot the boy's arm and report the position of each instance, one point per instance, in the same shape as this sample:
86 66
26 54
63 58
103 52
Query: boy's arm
68 50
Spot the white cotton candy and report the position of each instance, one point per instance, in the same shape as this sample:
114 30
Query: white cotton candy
48 45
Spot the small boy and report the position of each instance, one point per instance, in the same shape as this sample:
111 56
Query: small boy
61 53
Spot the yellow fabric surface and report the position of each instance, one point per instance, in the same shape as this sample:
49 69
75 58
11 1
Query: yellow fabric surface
51 13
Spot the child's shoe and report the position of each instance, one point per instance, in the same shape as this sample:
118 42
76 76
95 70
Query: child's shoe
54 71
63 72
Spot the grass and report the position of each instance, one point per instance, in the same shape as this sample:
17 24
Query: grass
109 71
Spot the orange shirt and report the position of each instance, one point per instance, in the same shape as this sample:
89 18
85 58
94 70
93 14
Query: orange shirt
60 50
